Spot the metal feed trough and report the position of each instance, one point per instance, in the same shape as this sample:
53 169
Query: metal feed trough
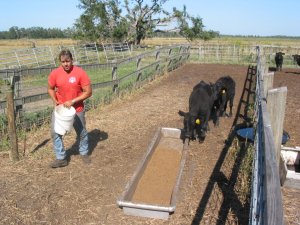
170 140
291 157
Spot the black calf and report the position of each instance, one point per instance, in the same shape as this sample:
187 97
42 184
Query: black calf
279 60
297 59
225 88
200 104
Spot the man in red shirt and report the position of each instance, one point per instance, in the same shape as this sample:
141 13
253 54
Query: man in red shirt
69 85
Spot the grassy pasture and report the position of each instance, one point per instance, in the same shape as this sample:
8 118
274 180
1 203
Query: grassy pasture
228 40
9 45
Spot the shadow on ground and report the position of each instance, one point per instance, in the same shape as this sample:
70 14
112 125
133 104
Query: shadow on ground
230 198
95 136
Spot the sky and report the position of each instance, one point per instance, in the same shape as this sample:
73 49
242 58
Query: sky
229 17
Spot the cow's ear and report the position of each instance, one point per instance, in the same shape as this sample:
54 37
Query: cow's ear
181 113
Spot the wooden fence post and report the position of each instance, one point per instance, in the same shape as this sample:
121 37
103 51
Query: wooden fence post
188 49
115 78
276 101
170 59
157 58
14 154
157 55
139 73
268 82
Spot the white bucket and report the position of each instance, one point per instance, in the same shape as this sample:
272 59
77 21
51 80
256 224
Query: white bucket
63 119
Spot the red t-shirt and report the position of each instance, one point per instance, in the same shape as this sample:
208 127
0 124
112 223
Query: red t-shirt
69 85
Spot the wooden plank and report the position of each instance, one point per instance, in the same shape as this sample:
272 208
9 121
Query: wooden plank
273 207
39 97
272 201
268 82
276 101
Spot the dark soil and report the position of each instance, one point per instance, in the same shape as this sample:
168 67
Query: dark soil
33 193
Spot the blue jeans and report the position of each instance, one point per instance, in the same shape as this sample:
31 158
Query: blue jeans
82 137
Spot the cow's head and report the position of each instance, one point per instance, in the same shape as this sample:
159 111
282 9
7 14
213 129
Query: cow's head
219 92
192 126
279 54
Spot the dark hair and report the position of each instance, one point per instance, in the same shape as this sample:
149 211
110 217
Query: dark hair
65 52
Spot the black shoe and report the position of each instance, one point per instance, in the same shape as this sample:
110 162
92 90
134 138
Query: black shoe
86 159
59 163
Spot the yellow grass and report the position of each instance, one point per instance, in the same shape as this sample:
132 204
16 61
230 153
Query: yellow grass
8 45
228 40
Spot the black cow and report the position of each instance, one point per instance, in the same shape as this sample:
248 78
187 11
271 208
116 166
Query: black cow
297 59
225 88
200 104
279 60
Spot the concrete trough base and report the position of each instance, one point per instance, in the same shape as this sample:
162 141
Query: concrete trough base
291 157
154 214
170 138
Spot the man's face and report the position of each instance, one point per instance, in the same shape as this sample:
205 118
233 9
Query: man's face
66 63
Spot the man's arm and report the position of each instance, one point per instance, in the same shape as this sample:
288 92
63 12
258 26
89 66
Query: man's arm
86 93
51 92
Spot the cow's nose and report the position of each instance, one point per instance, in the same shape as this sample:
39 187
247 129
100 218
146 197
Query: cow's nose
188 134
202 134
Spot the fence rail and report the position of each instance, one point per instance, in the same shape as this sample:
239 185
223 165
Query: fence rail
119 76
266 199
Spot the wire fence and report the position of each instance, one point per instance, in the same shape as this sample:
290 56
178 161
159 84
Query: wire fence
46 56
109 80
93 53
243 54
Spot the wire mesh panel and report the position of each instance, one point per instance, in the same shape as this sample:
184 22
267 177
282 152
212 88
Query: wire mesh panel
82 54
116 51
27 58
9 60
232 54
269 52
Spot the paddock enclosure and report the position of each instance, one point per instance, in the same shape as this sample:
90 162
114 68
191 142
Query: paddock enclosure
212 190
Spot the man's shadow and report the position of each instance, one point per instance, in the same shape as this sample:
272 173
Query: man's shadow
95 136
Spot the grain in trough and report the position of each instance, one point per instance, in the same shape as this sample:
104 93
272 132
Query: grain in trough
153 189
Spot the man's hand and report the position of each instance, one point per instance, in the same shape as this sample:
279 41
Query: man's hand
68 104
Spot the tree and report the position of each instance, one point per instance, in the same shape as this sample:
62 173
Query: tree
104 20
196 31
14 33
101 20
143 18
35 32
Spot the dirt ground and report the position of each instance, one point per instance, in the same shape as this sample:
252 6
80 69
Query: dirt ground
33 193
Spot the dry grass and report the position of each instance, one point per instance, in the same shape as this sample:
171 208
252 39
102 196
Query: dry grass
227 40
8 45
120 133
